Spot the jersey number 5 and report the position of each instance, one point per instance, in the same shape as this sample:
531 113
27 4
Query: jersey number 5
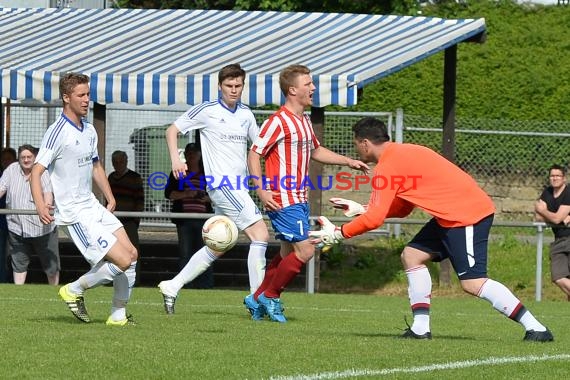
103 243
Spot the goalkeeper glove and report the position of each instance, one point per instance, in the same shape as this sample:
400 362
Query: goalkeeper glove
329 234
350 208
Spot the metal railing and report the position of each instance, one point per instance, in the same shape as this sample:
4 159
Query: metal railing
311 271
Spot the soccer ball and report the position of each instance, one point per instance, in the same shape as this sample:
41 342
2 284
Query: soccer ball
222 233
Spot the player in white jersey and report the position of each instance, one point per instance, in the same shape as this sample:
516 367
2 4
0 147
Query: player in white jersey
69 152
288 143
225 127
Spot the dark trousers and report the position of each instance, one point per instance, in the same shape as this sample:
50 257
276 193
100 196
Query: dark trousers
5 269
189 242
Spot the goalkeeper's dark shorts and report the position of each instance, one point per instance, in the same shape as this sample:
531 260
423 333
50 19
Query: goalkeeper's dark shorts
466 247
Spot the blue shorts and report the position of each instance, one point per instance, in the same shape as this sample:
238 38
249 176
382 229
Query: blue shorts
466 247
291 223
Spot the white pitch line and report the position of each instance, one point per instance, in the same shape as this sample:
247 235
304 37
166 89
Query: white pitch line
351 373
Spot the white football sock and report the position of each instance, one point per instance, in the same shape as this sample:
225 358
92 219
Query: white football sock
123 287
256 264
198 263
102 273
131 273
419 292
120 297
530 322
505 302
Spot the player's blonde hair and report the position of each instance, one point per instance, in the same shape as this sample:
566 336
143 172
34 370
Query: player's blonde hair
69 81
288 76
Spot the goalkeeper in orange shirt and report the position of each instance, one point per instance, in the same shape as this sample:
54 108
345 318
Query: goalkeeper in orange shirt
459 230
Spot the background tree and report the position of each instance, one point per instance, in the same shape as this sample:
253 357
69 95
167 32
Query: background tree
333 6
521 72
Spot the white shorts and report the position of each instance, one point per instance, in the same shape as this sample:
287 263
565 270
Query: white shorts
93 233
236 205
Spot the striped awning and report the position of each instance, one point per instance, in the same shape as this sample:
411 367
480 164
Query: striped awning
144 56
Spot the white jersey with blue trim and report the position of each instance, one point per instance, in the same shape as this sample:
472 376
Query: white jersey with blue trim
224 136
68 152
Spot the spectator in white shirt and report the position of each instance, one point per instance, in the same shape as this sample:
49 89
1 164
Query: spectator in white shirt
27 235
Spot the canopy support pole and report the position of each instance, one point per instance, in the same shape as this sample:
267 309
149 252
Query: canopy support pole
100 124
315 196
448 143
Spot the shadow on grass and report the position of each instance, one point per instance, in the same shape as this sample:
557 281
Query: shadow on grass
398 335
362 267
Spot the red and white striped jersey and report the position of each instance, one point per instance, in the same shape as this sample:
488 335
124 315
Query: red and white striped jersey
286 142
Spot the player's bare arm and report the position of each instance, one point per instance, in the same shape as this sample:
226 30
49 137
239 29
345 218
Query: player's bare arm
102 182
266 197
48 199
43 209
326 156
178 167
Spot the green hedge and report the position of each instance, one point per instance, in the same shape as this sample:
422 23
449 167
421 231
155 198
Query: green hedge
520 73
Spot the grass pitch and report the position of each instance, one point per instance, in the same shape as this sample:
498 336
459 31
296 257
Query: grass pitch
328 336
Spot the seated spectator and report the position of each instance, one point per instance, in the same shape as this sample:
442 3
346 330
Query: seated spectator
191 199
27 235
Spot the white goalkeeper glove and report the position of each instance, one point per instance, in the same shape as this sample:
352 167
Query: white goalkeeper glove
350 208
329 234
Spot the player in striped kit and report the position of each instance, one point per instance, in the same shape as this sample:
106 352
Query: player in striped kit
226 125
288 143
69 150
